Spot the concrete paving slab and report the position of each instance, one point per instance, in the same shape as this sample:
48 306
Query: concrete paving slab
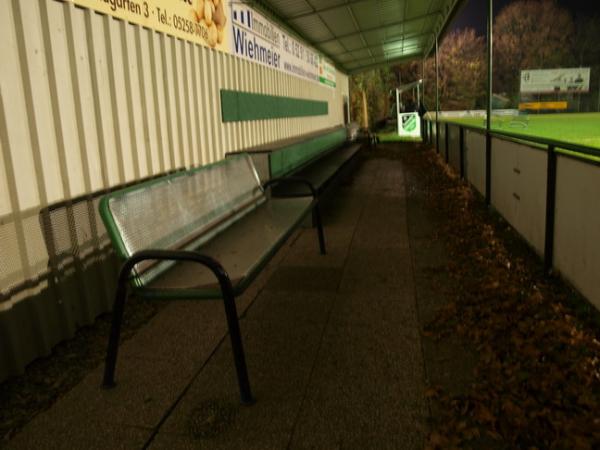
140 398
290 308
394 308
257 440
302 251
69 435
193 328
381 233
369 269
280 355
367 388
302 278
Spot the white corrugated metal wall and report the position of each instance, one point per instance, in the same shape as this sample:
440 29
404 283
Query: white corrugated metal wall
88 102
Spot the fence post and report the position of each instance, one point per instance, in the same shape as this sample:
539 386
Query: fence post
488 119
550 209
461 146
488 168
430 131
446 142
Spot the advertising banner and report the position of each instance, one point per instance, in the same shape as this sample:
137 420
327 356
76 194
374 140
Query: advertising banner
257 39
409 125
326 72
204 22
555 80
225 25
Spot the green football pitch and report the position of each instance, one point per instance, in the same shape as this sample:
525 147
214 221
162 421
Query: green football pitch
576 128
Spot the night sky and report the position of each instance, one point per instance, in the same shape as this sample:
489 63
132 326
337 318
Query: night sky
475 11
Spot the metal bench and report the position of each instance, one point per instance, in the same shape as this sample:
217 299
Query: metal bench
204 233
316 157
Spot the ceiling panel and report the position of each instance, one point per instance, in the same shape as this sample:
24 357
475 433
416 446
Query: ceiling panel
387 29
333 47
358 54
289 8
415 9
352 42
366 15
375 37
339 21
344 57
391 11
377 51
320 4
312 26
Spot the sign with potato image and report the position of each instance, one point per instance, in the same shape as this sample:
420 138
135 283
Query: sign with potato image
202 21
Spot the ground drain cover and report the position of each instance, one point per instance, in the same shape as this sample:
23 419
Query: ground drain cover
210 418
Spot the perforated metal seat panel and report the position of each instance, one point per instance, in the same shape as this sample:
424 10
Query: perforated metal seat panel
181 211
243 249
165 213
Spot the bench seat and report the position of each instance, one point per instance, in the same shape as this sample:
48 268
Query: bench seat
320 173
242 249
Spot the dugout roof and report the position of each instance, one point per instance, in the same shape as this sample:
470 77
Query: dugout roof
362 34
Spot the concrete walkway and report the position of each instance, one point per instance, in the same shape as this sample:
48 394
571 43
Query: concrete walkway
332 344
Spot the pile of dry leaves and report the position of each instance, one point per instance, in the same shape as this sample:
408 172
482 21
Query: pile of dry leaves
537 381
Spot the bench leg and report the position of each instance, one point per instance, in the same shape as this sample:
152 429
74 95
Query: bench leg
115 329
237 348
319 223
230 313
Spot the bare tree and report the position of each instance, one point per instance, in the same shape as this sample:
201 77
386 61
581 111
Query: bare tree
462 72
530 34
371 88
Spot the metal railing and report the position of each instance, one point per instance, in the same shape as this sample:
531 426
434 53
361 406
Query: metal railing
552 147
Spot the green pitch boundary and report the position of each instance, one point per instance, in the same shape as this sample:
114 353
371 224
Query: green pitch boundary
580 129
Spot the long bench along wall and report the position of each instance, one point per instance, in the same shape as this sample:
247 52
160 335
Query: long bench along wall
89 102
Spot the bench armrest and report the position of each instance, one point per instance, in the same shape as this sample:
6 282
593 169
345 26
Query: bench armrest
228 297
298 180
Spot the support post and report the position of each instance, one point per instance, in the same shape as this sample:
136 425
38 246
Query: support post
461 146
430 132
437 96
550 209
447 141
488 122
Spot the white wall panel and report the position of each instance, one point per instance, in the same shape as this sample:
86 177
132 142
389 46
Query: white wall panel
474 159
577 225
519 188
454 147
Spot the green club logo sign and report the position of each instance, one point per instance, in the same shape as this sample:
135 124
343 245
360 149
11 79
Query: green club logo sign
409 123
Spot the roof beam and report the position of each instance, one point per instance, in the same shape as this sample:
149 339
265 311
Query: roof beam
357 26
453 10
380 27
391 55
383 63
382 44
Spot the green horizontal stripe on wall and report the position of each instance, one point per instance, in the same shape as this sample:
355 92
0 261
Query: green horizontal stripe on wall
239 106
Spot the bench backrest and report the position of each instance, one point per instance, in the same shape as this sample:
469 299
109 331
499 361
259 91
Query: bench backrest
180 211
291 158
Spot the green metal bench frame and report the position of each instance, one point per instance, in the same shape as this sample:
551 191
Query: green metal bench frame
317 157
226 288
